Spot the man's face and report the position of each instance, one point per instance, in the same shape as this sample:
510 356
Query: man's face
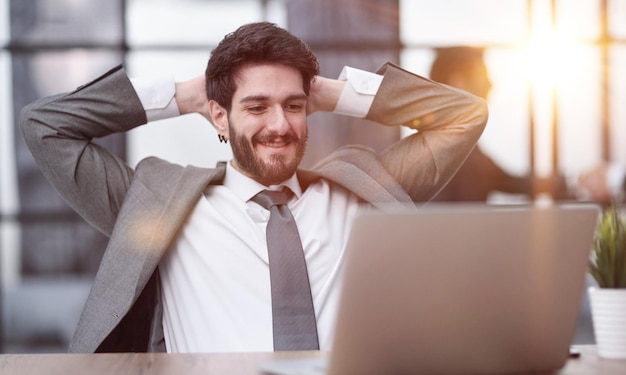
267 122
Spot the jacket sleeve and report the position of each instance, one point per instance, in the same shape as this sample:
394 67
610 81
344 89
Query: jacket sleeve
59 131
448 123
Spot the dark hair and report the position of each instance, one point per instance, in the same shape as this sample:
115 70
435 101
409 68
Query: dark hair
451 60
256 43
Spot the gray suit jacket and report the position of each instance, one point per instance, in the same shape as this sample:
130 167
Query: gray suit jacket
142 208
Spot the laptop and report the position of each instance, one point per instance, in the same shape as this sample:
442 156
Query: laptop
458 289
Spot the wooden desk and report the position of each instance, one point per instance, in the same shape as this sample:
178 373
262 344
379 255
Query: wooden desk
208 364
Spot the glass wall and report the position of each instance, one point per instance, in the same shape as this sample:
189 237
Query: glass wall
538 52
555 75
49 255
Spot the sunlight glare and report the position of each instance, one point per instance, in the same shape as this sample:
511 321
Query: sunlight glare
550 59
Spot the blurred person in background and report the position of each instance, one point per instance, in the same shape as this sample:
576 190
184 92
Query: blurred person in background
464 67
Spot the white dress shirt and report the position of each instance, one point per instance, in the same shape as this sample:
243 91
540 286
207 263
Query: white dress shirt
215 277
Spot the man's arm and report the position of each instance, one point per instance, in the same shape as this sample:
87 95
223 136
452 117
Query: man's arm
448 121
59 131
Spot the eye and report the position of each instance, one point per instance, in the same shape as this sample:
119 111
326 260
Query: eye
294 107
257 109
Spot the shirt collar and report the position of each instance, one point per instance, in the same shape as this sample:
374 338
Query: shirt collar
245 188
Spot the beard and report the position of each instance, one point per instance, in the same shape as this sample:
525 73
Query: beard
273 171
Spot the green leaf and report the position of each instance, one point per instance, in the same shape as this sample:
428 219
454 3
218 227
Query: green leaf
608 262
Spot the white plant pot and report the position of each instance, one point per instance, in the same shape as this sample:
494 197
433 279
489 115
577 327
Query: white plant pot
608 313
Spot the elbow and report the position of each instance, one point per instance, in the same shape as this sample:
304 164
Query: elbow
478 116
482 112
33 126
26 119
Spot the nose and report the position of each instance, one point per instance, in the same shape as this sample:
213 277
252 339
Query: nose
278 122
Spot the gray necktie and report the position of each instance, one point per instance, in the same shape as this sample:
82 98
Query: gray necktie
293 314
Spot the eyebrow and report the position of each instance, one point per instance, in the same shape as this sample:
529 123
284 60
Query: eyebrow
261 98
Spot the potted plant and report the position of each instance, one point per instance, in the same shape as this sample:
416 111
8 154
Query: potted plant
608 299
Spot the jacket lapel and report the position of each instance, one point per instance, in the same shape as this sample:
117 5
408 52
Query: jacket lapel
149 222
359 170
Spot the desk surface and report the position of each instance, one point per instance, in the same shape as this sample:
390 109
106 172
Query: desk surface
207 364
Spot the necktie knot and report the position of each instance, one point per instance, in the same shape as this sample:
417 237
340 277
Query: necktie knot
270 198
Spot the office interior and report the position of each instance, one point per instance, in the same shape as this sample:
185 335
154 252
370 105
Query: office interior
557 70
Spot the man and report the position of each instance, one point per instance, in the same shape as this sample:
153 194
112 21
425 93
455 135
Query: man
464 68
186 268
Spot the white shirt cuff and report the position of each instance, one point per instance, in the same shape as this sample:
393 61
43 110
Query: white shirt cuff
359 92
157 97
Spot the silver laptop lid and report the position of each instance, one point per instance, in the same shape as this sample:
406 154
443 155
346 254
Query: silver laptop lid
455 289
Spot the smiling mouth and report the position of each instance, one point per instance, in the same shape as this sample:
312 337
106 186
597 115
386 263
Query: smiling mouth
275 142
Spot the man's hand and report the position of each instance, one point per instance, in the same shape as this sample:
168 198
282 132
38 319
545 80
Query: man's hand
594 183
191 97
324 94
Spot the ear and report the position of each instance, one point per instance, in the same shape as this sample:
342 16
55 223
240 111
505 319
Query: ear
219 117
